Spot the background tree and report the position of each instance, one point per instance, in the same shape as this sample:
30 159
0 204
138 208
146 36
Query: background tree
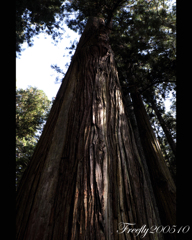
164 125
145 54
32 108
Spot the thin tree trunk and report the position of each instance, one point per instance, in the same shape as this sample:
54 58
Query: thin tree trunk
86 176
165 128
163 184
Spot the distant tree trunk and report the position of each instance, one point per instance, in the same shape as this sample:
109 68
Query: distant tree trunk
86 176
162 182
165 128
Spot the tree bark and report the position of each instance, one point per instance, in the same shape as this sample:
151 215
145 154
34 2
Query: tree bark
130 113
165 128
162 182
86 176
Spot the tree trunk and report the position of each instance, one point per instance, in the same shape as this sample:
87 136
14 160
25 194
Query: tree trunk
86 177
165 128
163 184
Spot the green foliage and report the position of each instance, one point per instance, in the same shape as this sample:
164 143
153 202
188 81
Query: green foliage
145 50
33 17
32 108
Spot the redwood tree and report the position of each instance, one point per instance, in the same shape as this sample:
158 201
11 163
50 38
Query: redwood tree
87 175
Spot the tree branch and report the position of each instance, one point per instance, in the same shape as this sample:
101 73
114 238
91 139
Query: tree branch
111 13
156 82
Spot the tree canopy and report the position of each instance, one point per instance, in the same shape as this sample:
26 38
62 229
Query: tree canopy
32 108
33 17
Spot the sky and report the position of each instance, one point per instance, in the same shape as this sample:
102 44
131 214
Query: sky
33 67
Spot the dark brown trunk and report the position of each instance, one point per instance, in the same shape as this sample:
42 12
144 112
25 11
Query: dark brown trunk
163 185
165 128
86 176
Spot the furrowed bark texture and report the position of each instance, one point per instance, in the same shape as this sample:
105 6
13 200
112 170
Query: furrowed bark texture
86 176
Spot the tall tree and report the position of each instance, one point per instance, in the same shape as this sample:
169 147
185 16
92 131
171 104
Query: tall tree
160 128
163 123
87 176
